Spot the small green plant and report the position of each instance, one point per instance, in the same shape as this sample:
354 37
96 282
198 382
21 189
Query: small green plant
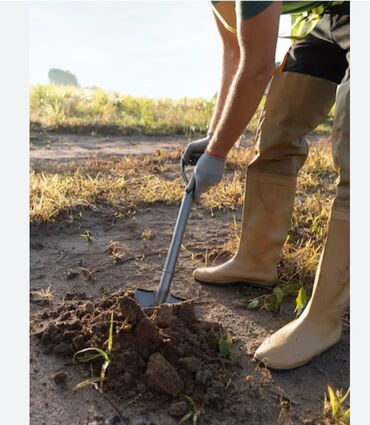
225 344
334 407
88 235
93 353
269 302
193 413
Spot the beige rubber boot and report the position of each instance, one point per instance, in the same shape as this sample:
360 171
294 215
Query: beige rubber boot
320 325
295 105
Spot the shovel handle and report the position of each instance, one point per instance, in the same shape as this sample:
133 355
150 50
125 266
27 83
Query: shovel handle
193 161
176 241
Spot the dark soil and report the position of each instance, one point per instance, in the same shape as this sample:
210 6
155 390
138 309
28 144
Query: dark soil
164 349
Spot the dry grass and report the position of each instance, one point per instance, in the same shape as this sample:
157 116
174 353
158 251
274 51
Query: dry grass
123 184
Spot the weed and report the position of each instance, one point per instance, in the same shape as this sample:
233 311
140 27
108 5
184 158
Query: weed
93 353
225 344
335 410
193 413
45 295
270 302
87 235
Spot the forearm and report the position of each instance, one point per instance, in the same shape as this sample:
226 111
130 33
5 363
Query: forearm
230 64
257 38
245 94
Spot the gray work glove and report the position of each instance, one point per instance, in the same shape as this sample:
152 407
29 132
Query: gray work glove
196 147
207 173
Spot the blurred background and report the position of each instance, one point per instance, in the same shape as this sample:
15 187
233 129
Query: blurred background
124 68
139 48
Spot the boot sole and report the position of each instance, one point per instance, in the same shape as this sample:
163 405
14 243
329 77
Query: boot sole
237 283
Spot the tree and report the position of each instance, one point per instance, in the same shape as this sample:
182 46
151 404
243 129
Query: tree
60 77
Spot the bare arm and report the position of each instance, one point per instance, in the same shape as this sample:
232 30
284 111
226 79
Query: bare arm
230 63
257 39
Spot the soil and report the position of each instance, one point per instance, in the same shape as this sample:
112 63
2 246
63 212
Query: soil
161 354
164 349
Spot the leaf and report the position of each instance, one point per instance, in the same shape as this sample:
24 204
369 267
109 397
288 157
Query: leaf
279 294
86 382
300 301
333 400
253 304
103 371
191 401
110 334
225 344
343 399
88 358
186 417
347 413
195 417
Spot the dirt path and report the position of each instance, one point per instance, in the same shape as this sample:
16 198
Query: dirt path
71 266
68 147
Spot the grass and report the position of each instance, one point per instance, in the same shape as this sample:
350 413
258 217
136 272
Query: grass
69 108
336 410
146 180
96 111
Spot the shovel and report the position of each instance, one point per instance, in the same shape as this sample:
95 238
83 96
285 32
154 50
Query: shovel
147 298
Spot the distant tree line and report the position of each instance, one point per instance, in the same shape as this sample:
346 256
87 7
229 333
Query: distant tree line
62 77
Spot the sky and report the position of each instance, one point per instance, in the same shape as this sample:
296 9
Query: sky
139 48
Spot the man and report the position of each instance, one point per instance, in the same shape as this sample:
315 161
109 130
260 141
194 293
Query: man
314 75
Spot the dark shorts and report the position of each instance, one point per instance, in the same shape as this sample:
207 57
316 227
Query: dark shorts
325 52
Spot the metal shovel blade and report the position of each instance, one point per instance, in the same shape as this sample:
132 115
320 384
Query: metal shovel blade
147 298
163 294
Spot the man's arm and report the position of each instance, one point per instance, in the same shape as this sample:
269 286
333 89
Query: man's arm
257 40
230 63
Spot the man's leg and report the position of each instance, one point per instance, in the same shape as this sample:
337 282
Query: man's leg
320 325
295 105
297 101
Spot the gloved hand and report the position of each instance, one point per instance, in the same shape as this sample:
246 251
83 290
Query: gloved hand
196 147
207 173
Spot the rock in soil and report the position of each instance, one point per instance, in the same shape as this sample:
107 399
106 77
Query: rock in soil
164 349
162 376
60 377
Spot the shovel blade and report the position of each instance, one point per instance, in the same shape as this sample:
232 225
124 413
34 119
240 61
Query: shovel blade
146 298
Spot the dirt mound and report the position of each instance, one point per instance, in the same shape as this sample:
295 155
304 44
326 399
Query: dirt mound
165 349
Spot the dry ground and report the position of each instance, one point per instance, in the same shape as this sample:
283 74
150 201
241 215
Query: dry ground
134 200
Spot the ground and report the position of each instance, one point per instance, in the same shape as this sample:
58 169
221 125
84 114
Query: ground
81 267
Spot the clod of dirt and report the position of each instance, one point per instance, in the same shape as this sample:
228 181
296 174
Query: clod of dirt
192 364
131 310
164 349
162 376
178 409
60 377
146 333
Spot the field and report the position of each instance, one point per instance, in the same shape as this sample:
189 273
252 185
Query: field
102 209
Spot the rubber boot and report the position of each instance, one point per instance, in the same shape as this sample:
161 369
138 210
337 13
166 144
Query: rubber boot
295 105
320 325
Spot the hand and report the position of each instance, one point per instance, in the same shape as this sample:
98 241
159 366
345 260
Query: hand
207 173
196 147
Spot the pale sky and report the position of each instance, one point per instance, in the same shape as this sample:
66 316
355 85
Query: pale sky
140 48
